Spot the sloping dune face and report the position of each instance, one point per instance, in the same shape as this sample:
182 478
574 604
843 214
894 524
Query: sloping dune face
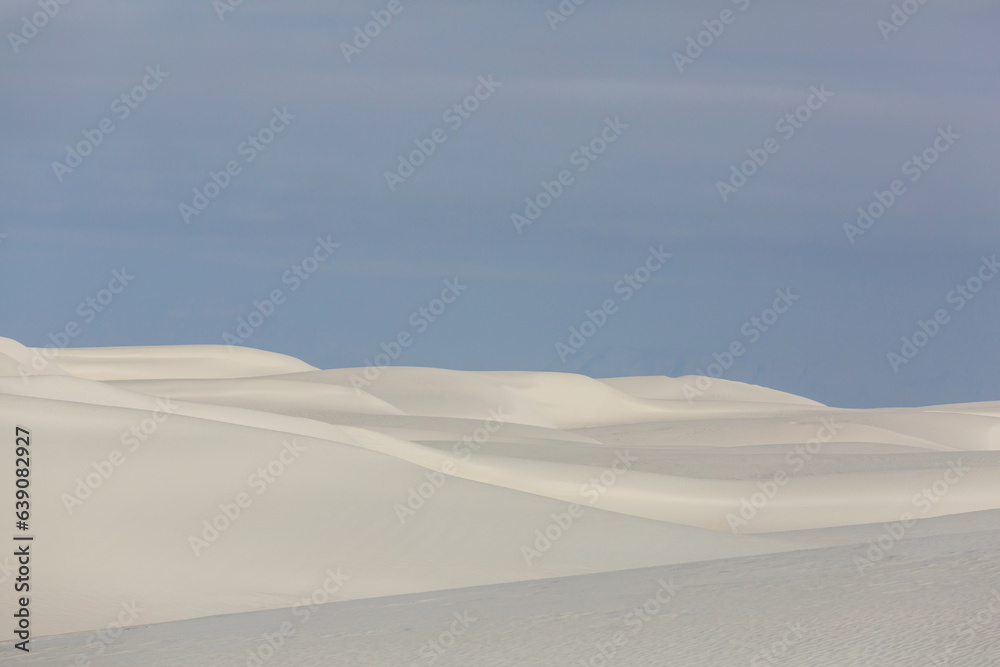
202 480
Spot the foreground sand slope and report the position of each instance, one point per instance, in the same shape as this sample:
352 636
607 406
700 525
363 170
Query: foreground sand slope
933 601
202 480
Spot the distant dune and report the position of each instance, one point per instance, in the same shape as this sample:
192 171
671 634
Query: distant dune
206 480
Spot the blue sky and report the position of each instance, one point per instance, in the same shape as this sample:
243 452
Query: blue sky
213 88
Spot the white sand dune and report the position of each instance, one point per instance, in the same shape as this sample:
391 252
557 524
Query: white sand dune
420 480
805 607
